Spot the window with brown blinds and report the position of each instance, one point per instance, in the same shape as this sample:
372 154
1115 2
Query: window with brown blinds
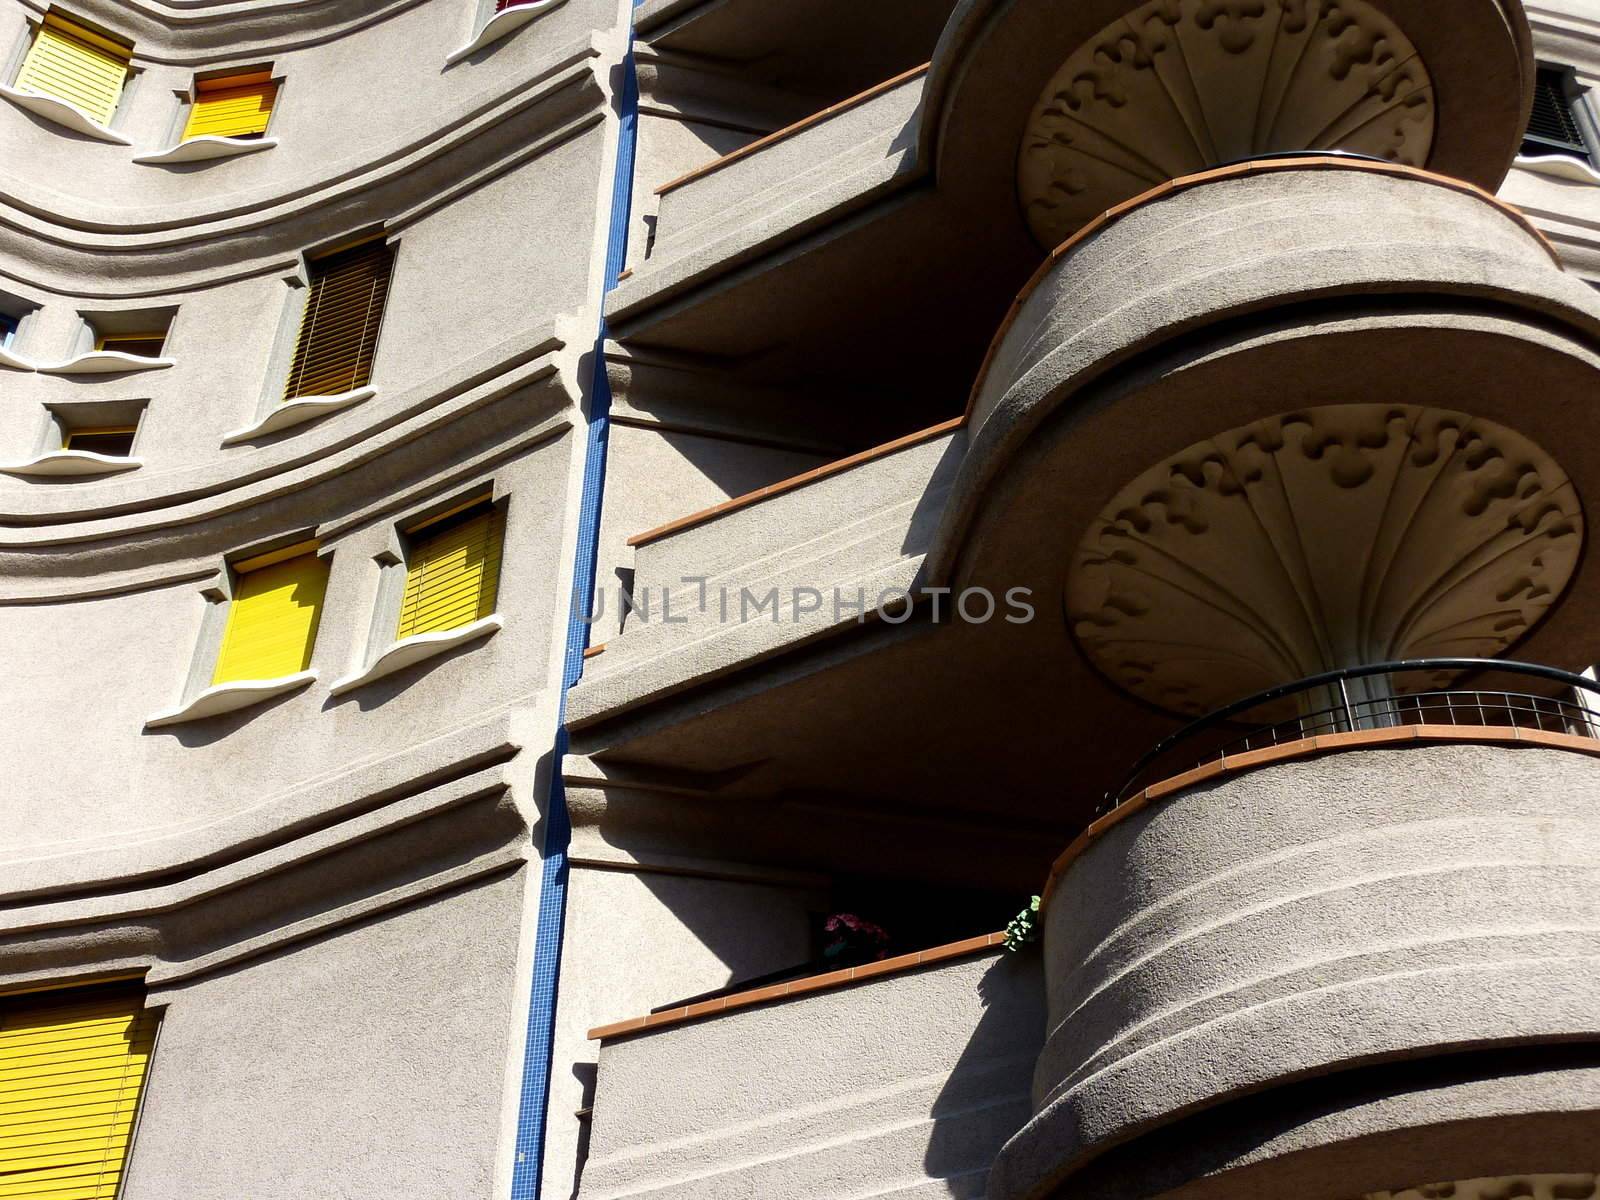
1553 126
343 315
72 1070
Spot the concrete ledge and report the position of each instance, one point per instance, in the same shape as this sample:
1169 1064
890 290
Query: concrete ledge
502 24
66 463
800 987
15 361
206 147
230 697
412 650
68 116
297 412
1558 166
104 362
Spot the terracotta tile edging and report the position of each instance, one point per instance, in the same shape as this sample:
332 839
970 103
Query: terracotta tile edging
799 987
1309 748
788 131
836 467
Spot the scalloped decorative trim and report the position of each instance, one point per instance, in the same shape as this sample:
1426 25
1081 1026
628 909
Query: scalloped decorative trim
104 362
72 462
1558 166
412 650
15 361
297 412
68 116
206 147
230 697
502 24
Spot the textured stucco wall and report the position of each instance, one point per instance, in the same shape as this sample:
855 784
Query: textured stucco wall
901 1086
1361 908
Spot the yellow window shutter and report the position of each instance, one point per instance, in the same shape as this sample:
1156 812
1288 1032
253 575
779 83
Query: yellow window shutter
236 106
343 314
272 622
77 65
452 572
72 1067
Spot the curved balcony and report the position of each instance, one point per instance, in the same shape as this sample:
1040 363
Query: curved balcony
1302 966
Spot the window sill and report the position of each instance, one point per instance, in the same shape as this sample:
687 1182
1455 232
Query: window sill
412 650
230 697
68 116
15 361
205 148
1558 166
66 463
298 411
502 24
104 362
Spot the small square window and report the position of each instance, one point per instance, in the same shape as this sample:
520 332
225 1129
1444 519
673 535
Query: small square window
452 568
1554 126
114 441
236 105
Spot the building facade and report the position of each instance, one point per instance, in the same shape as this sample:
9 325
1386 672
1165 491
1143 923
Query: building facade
566 566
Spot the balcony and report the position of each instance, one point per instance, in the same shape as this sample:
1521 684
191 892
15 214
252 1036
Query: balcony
1313 956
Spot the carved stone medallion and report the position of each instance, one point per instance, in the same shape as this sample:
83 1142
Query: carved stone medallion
1321 539
1178 86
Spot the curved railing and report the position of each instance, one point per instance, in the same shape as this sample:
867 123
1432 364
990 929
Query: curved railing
1379 696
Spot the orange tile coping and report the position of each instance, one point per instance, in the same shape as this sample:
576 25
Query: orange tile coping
592 651
788 131
799 987
1100 223
795 481
1327 743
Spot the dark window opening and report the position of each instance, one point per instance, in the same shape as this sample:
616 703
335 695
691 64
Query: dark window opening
1553 127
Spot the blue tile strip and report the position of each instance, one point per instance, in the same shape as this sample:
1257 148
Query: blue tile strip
535 1100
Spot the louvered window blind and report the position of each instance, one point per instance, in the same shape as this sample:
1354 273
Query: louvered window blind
72 1066
77 65
452 571
272 622
343 314
237 106
1553 126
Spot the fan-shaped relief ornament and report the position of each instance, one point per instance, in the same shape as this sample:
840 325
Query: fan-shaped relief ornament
1178 86
1328 538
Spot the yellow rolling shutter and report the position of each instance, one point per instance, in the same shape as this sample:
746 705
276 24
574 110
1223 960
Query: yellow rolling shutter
452 572
339 330
77 65
72 1065
236 106
272 622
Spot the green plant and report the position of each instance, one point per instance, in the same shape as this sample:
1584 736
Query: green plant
1024 927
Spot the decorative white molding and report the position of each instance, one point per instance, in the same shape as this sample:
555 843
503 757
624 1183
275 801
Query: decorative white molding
1558 166
1172 89
1577 1186
15 361
1309 541
104 362
409 651
230 697
72 462
503 24
205 148
68 116
297 412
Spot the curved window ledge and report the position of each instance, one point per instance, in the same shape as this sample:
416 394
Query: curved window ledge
412 650
1559 166
206 148
15 361
230 697
297 412
500 25
68 116
104 362
61 463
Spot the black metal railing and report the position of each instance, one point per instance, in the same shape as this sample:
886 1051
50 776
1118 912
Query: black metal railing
1380 696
